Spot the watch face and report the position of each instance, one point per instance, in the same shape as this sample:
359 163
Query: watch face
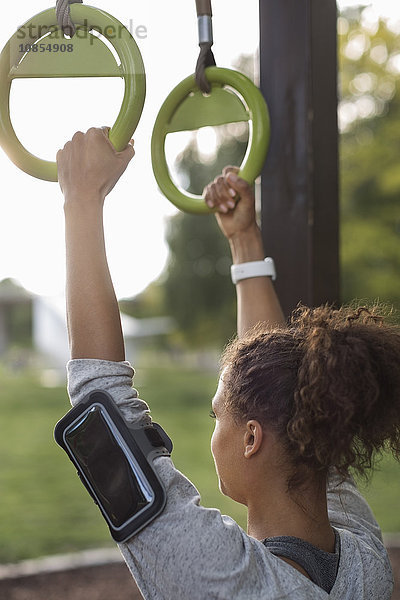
112 473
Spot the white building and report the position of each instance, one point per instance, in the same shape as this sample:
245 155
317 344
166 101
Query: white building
50 336
49 329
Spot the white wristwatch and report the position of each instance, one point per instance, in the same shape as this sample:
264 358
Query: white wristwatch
257 268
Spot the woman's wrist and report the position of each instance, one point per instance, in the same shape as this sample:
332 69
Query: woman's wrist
83 203
247 246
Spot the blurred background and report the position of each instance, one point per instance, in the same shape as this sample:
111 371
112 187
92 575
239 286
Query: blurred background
171 270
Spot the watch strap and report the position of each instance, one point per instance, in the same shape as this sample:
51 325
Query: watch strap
257 268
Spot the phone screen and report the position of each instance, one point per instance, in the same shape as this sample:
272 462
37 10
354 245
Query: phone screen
109 466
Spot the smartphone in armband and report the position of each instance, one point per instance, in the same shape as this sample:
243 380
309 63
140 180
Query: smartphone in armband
114 461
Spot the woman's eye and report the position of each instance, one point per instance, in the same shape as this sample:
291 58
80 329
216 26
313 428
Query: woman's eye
212 414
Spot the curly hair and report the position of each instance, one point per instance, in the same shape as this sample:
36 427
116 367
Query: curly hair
328 384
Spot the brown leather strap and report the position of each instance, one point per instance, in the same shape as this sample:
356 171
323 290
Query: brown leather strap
204 8
206 59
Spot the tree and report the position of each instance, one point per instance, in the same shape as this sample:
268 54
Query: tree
369 114
198 291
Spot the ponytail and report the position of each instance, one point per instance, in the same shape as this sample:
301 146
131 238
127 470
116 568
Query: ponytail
347 400
328 384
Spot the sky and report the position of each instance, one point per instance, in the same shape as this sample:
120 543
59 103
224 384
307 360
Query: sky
46 113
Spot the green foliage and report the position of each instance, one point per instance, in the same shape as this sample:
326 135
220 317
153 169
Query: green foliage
370 147
43 508
19 322
16 306
197 288
383 492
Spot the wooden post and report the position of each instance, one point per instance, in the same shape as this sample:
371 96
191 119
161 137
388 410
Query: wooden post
300 213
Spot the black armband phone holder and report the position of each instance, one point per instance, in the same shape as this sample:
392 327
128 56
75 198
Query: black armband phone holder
114 460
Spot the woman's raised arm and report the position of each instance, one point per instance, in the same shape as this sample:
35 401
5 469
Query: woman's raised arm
256 297
89 167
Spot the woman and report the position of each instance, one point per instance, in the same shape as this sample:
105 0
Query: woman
296 407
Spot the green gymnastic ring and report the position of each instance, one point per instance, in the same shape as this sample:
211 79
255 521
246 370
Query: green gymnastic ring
258 144
131 69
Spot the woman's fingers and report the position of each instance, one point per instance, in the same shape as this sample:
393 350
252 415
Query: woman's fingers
229 169
220 195
242 188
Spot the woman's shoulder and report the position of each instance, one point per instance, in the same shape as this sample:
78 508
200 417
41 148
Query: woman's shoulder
364 568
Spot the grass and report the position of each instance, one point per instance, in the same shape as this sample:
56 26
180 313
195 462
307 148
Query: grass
44 509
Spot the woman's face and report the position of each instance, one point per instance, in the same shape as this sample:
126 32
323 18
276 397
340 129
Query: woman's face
227 445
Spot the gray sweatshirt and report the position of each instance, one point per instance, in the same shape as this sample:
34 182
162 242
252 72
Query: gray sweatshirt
192 552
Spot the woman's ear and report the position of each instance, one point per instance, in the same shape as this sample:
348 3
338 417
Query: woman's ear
252 438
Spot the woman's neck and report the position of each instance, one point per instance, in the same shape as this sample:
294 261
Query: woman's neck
304 516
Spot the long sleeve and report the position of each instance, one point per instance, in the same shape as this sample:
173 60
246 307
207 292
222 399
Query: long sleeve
87 375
